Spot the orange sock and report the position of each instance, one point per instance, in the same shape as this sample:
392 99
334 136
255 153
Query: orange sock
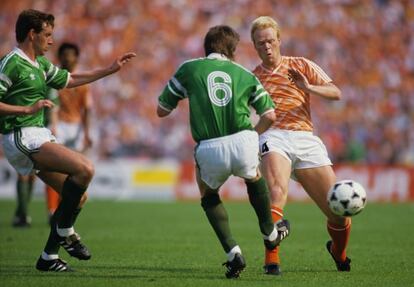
52 199
340 236
273 255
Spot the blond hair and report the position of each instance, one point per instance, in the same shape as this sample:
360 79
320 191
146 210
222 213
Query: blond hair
264 22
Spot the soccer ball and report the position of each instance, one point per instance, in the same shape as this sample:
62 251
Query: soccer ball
347 198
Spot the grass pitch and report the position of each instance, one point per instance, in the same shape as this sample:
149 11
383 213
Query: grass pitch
172 244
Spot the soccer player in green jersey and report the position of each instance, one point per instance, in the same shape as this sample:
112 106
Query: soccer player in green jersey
25 75
220 93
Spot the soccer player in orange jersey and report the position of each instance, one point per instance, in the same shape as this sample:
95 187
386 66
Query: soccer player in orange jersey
70 120
289 148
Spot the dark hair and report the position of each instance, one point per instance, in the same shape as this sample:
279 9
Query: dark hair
31 19
68 46
221 39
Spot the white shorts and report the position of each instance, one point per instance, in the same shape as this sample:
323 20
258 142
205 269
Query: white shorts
236 154
19 145
301 149
70 135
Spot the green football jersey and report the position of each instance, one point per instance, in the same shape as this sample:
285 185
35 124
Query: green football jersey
23 82
219 93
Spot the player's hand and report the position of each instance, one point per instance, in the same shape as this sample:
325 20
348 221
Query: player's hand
40 105
299 80
122 60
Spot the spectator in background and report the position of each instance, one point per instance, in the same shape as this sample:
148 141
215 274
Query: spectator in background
70 119
375 76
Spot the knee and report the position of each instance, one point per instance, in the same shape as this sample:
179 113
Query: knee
210 200
83 200
278 191
87 171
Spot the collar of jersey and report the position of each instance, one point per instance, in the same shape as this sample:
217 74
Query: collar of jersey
275 69
23 55
217 56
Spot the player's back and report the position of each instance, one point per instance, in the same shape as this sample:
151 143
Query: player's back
219 92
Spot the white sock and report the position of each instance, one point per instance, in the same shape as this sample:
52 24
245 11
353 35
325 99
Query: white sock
236 249
272 236
46 256
65 232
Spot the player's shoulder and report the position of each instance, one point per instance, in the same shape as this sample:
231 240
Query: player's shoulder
295 59
242 69
298 61
190 62
9 62
43 61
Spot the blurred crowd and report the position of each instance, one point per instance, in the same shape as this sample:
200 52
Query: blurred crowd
365 46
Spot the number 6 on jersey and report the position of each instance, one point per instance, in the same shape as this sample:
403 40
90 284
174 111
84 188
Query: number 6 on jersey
214 87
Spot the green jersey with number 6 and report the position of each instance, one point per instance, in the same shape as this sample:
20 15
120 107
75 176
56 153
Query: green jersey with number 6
219 92
24 82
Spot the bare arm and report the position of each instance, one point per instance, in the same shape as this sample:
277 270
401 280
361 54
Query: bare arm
328 91
81 78
87 142
162 112
265 121
53 120
6 109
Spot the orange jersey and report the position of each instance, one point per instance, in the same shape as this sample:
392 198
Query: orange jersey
73 102
292 104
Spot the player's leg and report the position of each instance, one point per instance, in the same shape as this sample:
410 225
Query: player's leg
69 173
317 183
52 201
276 170
245 164
258 193
57 158
24 186
49 259
219 220
216 214
56 183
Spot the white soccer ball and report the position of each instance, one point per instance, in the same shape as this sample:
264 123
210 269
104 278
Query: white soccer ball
347 198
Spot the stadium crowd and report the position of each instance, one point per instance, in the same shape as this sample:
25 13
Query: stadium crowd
367 48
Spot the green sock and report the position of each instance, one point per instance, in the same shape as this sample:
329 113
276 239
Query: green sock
259 199
75 215
23 197
52 244
217 216
71 195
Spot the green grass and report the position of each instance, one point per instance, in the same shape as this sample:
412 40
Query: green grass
171 244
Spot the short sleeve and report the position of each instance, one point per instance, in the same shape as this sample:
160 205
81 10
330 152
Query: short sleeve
315 74
55 77
260 99
174 91
5 84
6 77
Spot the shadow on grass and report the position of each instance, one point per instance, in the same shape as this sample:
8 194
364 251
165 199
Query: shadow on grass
113 272
140 272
